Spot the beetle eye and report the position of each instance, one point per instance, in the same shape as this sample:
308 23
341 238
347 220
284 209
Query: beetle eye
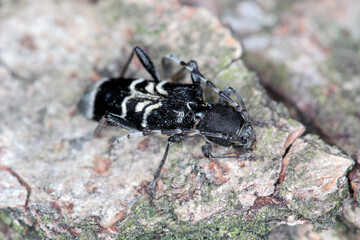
243 140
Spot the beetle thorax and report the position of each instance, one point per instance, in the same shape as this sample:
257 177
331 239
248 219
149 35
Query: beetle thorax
222 119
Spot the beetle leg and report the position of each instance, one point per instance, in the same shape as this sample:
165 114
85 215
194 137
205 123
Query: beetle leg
192 67
230 91
173 139
171 133
194 75
177 138
180 74
167 67
158 170
115 120
145 61
206 150
261 123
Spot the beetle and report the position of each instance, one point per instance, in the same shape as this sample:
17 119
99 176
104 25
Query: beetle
174 110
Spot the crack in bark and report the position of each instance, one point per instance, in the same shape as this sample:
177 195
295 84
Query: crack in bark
354 180
273 198
284 153
312 126
20 180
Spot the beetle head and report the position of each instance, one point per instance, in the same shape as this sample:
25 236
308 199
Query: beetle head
245 140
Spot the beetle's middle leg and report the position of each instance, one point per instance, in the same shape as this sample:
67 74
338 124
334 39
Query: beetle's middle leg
180 74
115 120
111 118
173 139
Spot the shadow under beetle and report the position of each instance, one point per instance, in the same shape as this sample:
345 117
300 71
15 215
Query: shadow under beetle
178 111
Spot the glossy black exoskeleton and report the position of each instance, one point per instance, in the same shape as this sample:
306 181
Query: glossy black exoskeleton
155 107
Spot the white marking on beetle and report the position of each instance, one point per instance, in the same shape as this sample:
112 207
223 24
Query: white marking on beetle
160 89
188 105
150 87
87 102
133 92
134 83
140 105
123 106
180 116
147 112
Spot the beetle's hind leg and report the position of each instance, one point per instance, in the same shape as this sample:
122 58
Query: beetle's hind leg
145 61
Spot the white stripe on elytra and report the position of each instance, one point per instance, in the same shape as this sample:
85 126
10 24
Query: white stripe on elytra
90 98
140 105
132 90
147 112
160 89
134 83
150 87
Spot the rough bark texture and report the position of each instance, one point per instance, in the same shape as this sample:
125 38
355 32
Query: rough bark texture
49 50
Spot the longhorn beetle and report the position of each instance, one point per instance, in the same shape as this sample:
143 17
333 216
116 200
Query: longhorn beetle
156 107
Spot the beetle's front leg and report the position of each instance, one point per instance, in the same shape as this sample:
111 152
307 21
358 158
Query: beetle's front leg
207 152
